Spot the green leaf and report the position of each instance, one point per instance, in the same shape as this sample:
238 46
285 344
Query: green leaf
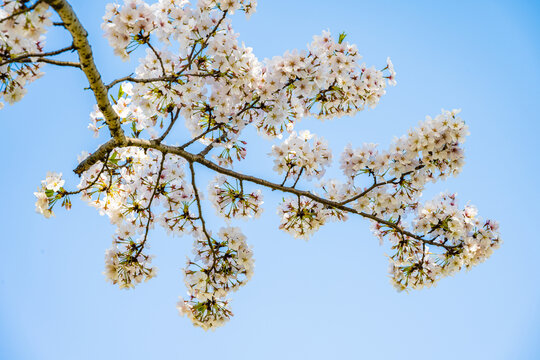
342 37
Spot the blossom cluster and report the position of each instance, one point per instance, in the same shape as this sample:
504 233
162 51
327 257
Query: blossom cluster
218 86
137 189
138 115
430 152
327 81
296 156
21 33
230 200
464 238
49 193
133 181
131 24
302 217
126 265
220 266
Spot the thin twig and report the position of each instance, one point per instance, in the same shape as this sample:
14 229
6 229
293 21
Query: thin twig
158 57
376 184
299 175
175 77
60 63
286 176
198 137
199 207
52 62
26 56
148 208
173 121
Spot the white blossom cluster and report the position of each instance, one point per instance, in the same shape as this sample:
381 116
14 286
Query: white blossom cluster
134 180
137 189
466 240
137 114
46 195
219 267
131 24
430 152
126 265
302 217
217 101
327 82
21 33
220 86
230 200
296 156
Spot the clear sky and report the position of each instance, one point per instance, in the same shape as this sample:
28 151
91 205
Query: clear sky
329 298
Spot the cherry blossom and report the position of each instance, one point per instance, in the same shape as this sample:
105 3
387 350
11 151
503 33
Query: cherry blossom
21 46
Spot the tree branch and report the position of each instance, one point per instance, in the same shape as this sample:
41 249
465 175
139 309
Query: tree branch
197 158
96 156
94 181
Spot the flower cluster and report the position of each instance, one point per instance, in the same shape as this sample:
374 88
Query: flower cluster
301 217
464 238
51 191
296 156
127 24
430 152
130 25
130 182
231 201
138 115
137 189
126 265
218 86
327 81
21 34
220 266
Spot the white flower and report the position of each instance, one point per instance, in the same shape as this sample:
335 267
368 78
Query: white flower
42 204
53 181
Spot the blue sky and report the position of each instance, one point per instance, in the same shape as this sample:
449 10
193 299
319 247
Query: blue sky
329 297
